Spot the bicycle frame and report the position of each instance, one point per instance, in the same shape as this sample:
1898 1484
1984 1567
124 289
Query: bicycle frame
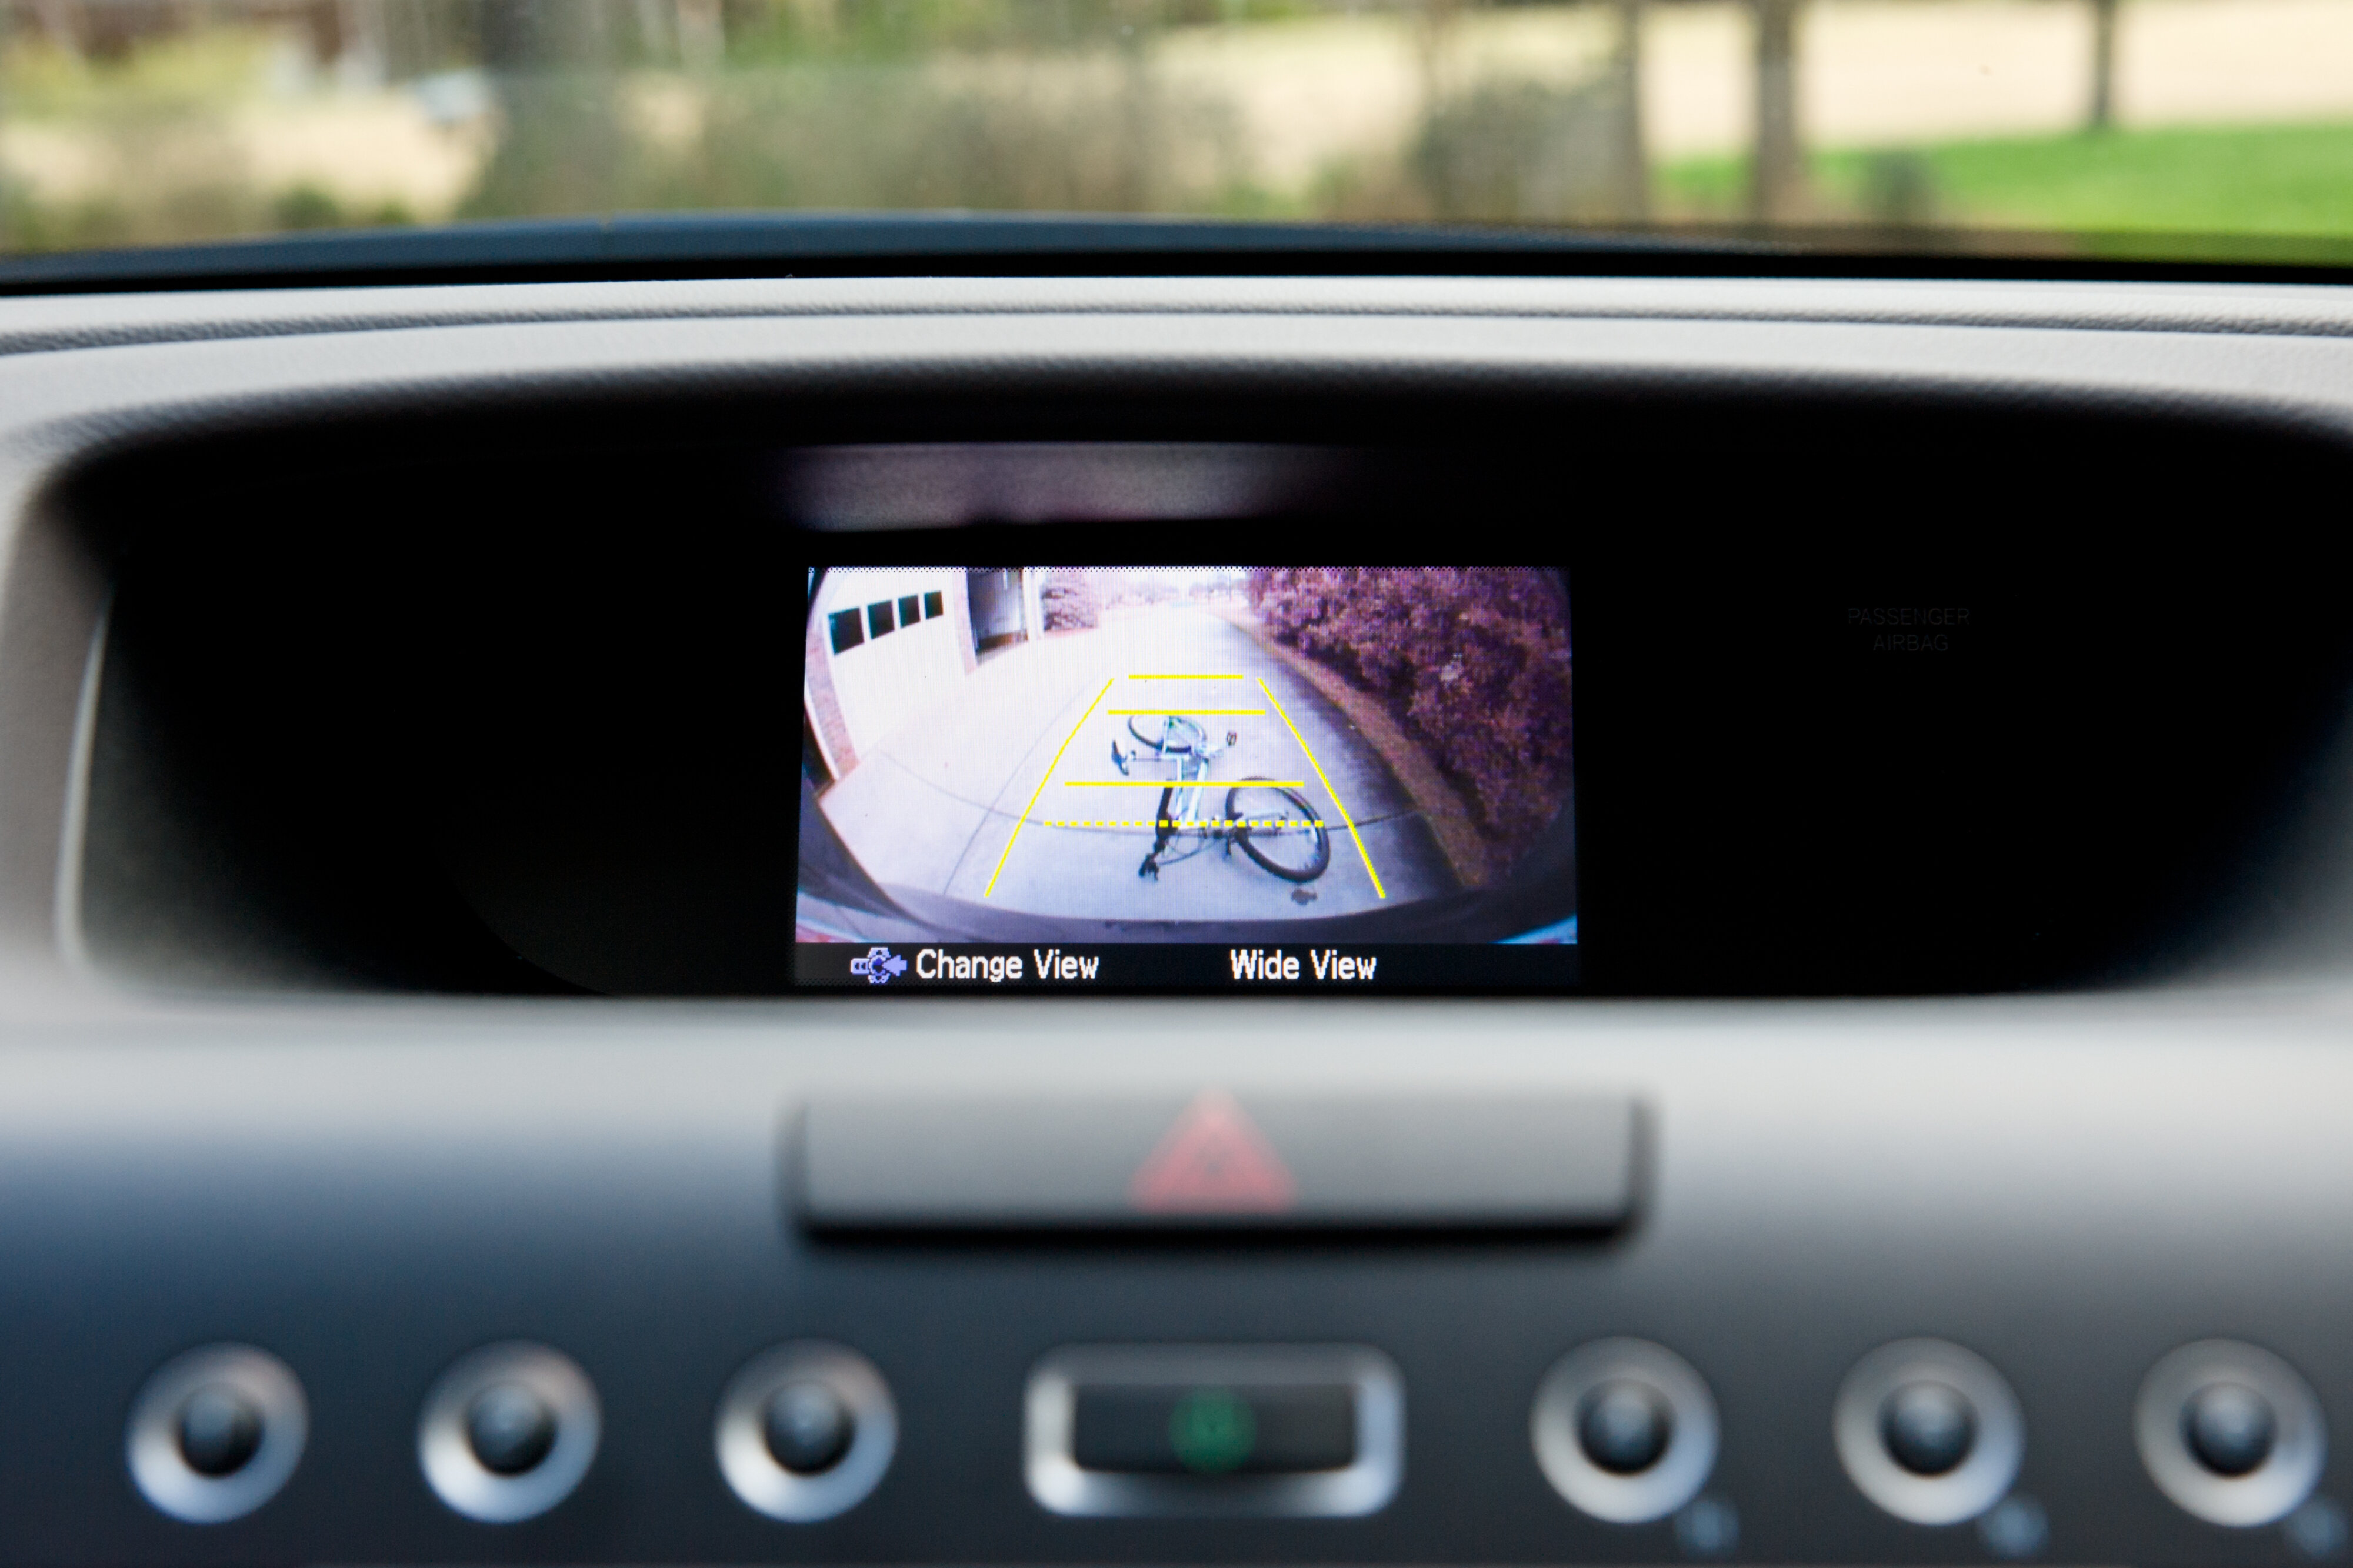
1190 748
1185 746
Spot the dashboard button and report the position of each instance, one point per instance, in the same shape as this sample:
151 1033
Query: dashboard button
1624 1430
1212 1159
1304 1431
1928 1427
806 1431
216 1433
2231 1433
220 1430
1624 1426
1928 1431
508 1432
510 1429
809 1428
2229 1428
1213 1430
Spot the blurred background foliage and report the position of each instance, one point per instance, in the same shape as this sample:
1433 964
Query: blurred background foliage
144 121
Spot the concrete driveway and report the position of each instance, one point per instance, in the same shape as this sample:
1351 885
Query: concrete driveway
935 808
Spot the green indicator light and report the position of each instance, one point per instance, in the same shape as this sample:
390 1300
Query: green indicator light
1211 1431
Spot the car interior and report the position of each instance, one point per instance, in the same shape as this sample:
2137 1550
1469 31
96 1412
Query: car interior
1134 886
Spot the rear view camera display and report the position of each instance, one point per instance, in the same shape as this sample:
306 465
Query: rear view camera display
1195 777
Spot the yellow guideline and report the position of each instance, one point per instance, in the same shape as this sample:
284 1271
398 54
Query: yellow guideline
1157 712
1034 794
1179 783
1378 892
1184 678
1173 822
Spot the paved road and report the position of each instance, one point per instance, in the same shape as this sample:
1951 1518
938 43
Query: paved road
936 804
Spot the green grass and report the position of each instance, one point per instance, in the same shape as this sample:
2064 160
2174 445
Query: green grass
2273 180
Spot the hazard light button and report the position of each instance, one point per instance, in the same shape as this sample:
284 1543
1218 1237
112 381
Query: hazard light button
1215 1157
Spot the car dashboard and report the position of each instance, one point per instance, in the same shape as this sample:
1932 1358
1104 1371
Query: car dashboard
458 1103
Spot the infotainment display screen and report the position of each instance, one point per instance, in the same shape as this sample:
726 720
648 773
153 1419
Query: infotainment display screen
1289 778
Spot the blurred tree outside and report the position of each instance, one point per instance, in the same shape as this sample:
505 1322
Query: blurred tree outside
157 166
595 106
564 146
1527 152
1777 168
144 121
1630 154
2101 115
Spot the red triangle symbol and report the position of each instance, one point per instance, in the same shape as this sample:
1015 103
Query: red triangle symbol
1213 1161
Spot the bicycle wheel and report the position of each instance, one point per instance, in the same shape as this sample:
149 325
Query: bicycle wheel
1167 734
1277 828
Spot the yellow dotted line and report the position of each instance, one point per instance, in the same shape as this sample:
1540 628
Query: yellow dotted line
1211 822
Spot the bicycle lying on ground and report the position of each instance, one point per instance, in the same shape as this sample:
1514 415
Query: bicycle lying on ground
1275 825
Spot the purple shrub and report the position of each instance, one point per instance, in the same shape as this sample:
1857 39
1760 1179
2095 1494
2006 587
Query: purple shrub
1067 600
1473 661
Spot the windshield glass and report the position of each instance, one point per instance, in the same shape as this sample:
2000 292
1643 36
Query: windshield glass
2192 129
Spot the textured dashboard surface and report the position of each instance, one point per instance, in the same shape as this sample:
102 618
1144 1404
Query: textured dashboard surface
2070 1188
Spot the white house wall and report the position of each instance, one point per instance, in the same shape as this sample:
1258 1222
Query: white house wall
884 682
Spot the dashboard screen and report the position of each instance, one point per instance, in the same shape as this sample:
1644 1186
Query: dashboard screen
1342 778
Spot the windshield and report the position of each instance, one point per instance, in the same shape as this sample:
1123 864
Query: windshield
2165 128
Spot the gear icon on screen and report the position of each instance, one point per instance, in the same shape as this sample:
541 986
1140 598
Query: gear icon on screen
879 966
